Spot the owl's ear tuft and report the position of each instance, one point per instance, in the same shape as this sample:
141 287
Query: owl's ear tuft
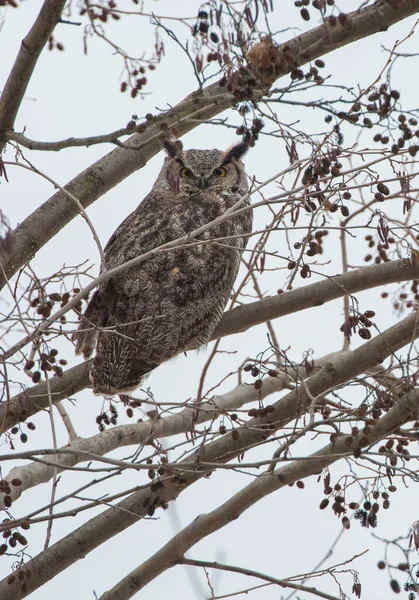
236 152
173 147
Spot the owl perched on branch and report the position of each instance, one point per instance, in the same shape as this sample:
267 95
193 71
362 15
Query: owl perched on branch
173 301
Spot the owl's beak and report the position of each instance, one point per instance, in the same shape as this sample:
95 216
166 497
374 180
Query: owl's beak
203 182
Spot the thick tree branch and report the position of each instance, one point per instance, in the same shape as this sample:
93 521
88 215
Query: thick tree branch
30 50
244 317
103 527
144 433
234 321
267 483
36 398
104 174
329 36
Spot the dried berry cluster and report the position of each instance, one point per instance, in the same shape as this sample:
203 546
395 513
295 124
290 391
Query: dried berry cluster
298 74
259 370
138 84
380 247
47 362
151 503
132 404
305 271
204 23
23 436
101 13
19 577
135 67
337 501
404 299
251 134
384 400
107 417
6 489
322 167
261 412
406 134
367 515
53 44
394 453
359 322
382 103
313 243
45 303
207 34
13 538
410 586
321 5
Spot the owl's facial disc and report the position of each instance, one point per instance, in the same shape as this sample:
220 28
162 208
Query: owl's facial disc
194 180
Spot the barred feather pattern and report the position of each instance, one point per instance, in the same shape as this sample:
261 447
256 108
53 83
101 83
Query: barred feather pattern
173 301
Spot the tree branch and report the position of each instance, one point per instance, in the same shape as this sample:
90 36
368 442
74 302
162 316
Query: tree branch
267 483
103 527
28 55
144 433
234 321
284 583
43 224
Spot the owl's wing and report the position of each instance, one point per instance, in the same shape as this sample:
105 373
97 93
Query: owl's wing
143 230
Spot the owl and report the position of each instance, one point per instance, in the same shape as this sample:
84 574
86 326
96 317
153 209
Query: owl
171 302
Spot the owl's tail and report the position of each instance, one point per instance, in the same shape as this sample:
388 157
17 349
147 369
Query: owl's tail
116 369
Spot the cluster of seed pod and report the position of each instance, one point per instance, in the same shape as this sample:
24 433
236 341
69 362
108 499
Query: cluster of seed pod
367 514
410 586
23 436
6 491
53 44
383 402
261 412
101 12
207 34
47 362
135 67
19 579
45 303
313 242
297 74
106 418
322 167
394 451
321 5
13 539
251 134
358 322
404 299
259 371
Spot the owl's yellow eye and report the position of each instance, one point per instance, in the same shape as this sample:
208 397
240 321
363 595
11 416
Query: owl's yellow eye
185 172
220 172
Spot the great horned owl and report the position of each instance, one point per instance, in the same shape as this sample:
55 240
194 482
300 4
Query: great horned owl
173 301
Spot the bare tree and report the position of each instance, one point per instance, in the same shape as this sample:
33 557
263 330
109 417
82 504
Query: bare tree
339 207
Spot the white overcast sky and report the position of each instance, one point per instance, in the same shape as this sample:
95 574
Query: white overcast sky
74 95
